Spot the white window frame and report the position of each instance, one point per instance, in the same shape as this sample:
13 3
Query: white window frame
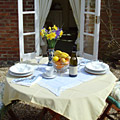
27 56
96 30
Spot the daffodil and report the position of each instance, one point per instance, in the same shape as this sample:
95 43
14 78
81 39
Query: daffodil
52 35
61 33
42 34
55 27
43 30
50 29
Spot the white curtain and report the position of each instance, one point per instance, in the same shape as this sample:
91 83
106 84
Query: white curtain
76 8
44 8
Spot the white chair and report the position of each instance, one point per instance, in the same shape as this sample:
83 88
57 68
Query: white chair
113 102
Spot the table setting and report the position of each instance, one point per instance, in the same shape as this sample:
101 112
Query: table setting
96 67
55 81
20 70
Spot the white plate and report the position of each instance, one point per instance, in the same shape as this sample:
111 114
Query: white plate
97 66
48 77
21 68
95 72
20 75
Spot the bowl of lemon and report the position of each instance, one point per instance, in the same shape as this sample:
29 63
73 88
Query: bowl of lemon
60 61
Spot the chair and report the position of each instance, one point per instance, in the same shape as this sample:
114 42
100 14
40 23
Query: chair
55 116
112 103
1 95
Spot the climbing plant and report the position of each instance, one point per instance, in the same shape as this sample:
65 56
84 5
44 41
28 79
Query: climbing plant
110 26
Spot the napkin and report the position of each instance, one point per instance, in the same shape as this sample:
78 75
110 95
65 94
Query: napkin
63 82
27 81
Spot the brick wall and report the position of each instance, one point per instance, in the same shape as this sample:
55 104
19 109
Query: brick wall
9 41
9 44
9 35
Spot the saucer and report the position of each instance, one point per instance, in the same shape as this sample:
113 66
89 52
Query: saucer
48 77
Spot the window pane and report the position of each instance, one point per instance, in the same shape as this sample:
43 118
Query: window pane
88 44
28 5
29 43
89 23
90 5
28 23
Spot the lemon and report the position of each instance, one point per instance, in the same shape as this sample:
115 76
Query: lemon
64 55
58 53
55 58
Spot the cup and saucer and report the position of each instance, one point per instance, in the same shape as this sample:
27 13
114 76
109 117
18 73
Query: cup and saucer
49 73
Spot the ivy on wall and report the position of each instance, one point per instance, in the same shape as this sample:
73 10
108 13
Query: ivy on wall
110 30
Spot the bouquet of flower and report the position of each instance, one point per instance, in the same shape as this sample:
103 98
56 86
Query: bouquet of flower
52 35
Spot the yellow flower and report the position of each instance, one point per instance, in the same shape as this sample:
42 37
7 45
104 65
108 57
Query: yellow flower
42 34
61 33
55 27
49 28
48 36
43 30
51 36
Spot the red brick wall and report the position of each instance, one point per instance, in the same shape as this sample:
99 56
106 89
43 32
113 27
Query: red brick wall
9 44
9 34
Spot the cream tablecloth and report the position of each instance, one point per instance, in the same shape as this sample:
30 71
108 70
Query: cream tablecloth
83 102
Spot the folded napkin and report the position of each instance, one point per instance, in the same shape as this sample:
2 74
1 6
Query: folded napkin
28 81
61 83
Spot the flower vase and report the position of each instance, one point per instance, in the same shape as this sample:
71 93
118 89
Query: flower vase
50 56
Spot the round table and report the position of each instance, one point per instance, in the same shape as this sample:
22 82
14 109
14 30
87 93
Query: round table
82 102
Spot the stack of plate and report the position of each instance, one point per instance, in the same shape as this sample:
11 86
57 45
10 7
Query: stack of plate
96 67
20 70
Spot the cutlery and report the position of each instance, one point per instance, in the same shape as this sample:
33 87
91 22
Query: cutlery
23 79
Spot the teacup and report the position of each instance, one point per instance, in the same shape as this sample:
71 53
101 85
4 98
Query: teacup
49 71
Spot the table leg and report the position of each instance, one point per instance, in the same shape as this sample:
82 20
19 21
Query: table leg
42 114
55 116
